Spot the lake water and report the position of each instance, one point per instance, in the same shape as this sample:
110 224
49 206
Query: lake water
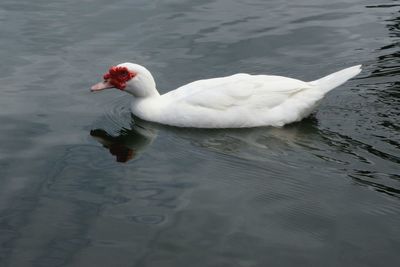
82 183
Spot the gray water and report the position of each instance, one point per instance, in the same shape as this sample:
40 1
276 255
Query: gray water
83 183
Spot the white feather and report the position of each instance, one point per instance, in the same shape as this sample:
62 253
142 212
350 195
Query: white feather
236 101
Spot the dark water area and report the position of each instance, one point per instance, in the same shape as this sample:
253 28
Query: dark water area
83 183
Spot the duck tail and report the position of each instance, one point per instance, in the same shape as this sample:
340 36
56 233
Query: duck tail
333 80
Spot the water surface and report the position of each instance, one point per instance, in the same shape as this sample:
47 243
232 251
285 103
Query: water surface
83 183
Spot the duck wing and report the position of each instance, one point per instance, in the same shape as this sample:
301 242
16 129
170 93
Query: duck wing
239 90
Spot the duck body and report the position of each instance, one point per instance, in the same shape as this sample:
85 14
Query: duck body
236 101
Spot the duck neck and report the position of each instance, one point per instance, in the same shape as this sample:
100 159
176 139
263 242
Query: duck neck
153 92
143 88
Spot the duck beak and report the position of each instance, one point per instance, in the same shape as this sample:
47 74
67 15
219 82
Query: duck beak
101 86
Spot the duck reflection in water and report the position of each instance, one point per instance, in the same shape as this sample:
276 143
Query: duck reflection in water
127 143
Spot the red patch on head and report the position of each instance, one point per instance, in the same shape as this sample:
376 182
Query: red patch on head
119 76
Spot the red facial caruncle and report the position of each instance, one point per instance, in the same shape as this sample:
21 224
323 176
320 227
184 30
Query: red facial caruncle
118 76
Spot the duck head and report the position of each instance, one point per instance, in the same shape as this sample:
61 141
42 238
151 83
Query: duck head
129 77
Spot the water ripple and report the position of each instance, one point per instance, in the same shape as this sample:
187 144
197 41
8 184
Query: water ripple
305 193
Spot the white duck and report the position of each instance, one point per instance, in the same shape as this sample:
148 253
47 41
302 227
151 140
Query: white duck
236 101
